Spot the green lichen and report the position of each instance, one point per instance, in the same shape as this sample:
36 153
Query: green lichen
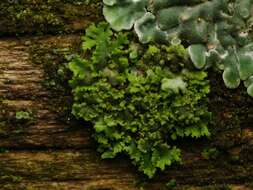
217 32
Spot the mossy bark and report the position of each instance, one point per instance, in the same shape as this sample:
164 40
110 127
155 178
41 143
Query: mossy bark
22 17
53 151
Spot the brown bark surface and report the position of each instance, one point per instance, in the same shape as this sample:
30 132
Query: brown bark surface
53 153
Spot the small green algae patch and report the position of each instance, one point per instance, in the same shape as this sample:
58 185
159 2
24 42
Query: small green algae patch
24 115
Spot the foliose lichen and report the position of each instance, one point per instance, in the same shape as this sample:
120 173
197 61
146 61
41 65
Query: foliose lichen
216 32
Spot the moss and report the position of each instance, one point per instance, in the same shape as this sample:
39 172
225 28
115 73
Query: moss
50 16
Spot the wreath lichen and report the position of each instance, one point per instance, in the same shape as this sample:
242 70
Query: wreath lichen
216 32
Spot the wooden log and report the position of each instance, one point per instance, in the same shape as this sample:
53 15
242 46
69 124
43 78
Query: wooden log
53 153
